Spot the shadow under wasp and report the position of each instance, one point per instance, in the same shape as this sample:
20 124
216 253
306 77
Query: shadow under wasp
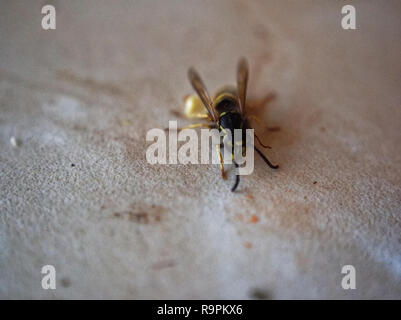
226 111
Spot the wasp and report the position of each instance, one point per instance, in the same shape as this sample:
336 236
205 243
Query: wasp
225 111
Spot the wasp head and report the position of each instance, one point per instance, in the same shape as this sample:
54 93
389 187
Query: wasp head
230 123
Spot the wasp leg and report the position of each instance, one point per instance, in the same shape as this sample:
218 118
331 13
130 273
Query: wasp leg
234 187
223 173
259 103
196 125
190 117
266 160
260 123
263 145
252 117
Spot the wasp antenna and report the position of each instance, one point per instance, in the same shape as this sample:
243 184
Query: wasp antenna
266 160
234 187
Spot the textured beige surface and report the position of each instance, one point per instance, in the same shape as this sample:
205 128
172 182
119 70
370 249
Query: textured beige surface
117 227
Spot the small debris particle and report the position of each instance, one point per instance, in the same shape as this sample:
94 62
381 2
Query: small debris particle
254 219
259 294
14 142
248 245
314 182
72 164
273 129
163 264
250 197
305 197
65 282
125 122
140 217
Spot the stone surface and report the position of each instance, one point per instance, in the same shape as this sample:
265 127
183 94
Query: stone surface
77 192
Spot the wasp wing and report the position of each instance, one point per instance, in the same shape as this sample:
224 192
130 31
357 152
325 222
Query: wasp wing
200 89
242 83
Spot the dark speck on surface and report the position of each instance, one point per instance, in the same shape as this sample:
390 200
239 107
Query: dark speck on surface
259 294
65 282
141 214
274 129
